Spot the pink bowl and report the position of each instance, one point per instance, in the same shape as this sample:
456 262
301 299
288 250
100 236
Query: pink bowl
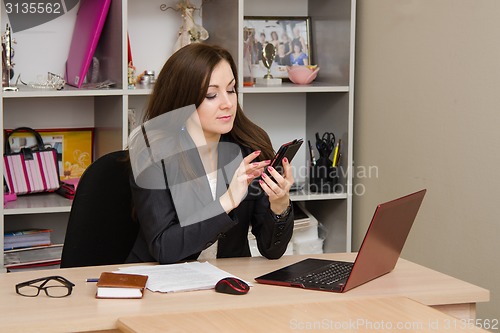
302 74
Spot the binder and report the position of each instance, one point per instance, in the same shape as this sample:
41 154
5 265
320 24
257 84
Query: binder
88 27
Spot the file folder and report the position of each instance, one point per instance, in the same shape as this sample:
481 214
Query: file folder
90 20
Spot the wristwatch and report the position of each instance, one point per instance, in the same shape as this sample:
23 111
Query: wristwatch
284 215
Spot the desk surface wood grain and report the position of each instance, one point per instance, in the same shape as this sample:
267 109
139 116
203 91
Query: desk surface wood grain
368 315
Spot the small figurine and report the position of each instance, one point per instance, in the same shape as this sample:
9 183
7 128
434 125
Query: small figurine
190 32
130 75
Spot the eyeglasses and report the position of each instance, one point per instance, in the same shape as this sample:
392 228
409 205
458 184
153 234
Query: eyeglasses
54 286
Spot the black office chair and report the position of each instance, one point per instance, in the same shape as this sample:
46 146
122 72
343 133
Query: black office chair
101 229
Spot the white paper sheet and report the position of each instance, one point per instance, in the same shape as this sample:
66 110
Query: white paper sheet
180 277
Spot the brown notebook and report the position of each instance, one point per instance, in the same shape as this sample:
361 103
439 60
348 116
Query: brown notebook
119 285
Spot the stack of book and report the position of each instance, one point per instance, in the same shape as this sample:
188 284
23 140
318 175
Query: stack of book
30 249
33 257
26 238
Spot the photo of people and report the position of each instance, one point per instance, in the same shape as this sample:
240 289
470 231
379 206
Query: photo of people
289 35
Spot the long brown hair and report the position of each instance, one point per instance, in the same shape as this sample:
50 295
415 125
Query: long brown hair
184 80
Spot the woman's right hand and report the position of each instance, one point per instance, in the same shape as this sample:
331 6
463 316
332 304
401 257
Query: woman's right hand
246 172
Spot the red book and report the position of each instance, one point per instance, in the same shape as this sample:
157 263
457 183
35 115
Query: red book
121 285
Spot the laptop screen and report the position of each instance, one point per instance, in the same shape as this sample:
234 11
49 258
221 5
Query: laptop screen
385 238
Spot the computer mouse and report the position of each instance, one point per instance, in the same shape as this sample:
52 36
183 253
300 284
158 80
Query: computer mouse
232 285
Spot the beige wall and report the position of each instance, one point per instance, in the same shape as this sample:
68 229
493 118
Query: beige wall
427 115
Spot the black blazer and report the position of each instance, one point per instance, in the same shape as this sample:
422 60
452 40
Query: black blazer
166 238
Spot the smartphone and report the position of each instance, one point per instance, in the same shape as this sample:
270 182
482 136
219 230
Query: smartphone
287 150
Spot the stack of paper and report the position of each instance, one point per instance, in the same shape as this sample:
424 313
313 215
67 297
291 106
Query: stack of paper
179 277
31 256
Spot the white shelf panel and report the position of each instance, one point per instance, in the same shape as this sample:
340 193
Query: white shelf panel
139 91
38 203
287 87
68 91
307 196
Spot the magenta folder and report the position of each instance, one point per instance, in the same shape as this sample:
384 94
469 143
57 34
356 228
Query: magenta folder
88 27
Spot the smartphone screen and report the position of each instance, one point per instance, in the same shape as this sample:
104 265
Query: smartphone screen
287 150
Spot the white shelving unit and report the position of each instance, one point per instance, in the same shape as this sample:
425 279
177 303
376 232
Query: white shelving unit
289 111
286 112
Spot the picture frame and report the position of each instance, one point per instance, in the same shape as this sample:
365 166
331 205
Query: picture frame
287 33
74 146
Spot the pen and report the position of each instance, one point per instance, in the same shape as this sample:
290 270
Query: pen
92 280
336 154
311 153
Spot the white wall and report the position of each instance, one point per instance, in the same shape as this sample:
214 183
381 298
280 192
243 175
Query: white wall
427 115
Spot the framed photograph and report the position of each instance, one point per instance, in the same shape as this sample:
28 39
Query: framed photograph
291 37
74 147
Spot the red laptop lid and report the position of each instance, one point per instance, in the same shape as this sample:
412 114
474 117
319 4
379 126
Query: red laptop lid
385 238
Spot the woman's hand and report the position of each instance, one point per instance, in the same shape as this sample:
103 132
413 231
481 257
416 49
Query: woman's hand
238 188
279 189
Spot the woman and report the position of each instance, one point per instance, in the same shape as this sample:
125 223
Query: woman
297 38
274 39
281 58
287 43
205 76
298 57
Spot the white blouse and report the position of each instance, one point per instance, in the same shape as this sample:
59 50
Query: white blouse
211 251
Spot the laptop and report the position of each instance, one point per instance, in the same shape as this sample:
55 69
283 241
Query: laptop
379 252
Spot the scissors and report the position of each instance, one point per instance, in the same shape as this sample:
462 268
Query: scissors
325 144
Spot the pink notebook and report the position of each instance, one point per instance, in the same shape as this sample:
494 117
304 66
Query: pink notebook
88 27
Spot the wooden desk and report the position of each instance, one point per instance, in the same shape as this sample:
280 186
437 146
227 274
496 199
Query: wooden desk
83 312
396 314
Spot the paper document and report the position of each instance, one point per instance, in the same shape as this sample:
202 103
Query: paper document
179 277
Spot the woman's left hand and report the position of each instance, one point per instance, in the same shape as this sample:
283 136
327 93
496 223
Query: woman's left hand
279 189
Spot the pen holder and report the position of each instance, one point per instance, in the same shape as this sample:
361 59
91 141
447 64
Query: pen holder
323 176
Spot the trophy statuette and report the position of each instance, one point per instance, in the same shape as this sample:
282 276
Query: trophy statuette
7 64
268 55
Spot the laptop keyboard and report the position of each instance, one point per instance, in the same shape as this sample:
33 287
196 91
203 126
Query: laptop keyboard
327 276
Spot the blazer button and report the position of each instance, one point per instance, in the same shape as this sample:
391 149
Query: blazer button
208 244
221 235
278 242
279 234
